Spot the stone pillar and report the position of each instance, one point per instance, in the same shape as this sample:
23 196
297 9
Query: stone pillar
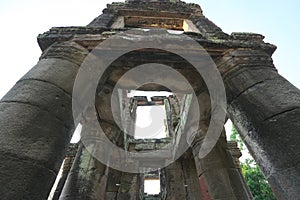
68 162
86 179
218 172
113 183
265 109
88 176
129 186
218 176
191 181
36 124
175 181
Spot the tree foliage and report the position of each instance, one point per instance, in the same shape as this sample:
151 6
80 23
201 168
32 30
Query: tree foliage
256 181
254 178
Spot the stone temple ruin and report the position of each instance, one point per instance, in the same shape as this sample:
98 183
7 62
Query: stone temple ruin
37 122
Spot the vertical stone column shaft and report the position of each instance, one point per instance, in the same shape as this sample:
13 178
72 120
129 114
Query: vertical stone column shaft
67 164
36 124
220 175
88 176
190 174
87 179
129 186
175 181
265 109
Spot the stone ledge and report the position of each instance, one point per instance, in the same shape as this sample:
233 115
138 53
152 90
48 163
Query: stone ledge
178 6
213 45
247 36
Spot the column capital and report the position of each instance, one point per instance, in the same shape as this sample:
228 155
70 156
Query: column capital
243 57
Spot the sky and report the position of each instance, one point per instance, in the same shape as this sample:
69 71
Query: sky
22 21
277 20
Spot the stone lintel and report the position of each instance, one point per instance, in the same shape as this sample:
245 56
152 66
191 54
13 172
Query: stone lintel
90 37
171 6
147 13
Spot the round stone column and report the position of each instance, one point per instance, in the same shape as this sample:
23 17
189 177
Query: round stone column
265 108
88 176
36 124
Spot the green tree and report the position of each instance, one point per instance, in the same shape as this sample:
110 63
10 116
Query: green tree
256 181
254 178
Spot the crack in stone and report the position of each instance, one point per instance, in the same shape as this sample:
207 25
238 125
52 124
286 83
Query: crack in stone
47 82
29 160
248 88
283 112
37 106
